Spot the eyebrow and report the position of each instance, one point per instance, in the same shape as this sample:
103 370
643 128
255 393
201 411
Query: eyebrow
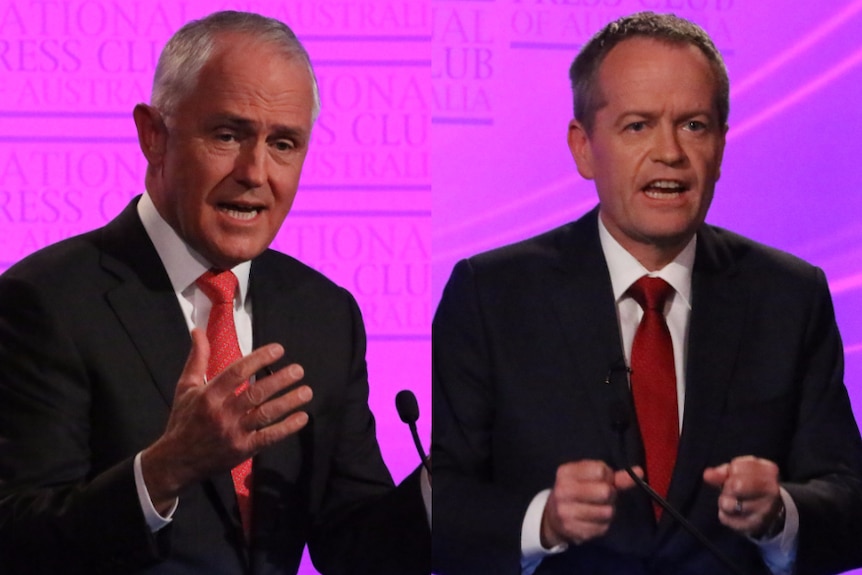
246 124
280 130
651 115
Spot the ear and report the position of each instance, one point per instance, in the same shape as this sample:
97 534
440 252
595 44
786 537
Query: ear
582 152
721 152
152 133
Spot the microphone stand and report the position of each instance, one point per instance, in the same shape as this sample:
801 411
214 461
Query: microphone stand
620 422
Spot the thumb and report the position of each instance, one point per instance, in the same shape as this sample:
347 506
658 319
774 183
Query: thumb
195 371
622 479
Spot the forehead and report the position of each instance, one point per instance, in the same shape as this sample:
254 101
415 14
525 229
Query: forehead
651 70
249 77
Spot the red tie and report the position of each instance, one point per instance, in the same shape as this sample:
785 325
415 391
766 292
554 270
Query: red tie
653 380
220 287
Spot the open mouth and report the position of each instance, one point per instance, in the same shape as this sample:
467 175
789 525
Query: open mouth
240 212
664 189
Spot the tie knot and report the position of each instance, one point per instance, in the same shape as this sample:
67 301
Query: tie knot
218 285
651 293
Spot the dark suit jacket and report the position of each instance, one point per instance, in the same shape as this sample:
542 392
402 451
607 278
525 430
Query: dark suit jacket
526 336
92 341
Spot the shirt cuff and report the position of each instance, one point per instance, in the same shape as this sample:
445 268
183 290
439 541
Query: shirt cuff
152 517
779 552
425 486
532 550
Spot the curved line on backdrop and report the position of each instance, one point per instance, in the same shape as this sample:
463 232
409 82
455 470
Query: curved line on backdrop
793 98
813 37
845 284
746 125
855 348
514 234
552 188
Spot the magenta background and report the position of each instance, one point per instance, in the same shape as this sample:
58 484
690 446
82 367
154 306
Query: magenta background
72 70
486 82
792 174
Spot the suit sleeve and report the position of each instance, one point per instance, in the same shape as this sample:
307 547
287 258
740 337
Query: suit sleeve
477 521
364 526
57 514
824 468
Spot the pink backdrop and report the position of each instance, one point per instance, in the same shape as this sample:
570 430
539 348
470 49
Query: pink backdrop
71 72
489 79
791 177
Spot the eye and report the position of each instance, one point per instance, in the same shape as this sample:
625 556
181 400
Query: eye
638 126
284 145
695 126
225 136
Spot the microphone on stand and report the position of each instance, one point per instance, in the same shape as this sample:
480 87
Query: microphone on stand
408 411
620 416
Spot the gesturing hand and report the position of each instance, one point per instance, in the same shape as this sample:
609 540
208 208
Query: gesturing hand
583 501
750 498
212 429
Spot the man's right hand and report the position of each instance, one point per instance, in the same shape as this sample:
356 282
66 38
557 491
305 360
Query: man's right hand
582 503
212 429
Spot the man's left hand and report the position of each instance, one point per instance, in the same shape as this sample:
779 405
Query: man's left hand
750 499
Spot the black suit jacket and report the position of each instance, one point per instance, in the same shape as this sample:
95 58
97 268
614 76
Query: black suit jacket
529 374
92 341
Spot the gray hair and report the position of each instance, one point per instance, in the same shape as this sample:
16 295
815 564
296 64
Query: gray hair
664 27
191 46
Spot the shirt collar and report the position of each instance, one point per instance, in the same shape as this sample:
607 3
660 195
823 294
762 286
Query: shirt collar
626 270
183 264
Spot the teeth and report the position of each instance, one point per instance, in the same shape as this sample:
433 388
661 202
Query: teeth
667 184
663 189
656 195
240 213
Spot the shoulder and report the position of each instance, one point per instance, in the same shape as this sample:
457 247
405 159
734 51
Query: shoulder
558 248
58 263
283 272
721 248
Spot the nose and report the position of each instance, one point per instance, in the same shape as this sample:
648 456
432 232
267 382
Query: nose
250 164
667 148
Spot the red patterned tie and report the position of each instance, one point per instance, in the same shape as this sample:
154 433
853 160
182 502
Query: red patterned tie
220 287
653 380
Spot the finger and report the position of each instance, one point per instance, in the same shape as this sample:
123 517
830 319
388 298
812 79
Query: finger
264 389
733 506
278 431
195 371
716 476
585 470
276 409
752 478
624 481
242 369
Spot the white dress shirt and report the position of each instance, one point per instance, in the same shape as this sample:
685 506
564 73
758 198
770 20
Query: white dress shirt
778 553
184 266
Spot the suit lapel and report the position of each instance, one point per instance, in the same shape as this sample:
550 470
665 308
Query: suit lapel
583 298
144 300
277 319
717 320
147 307
582 295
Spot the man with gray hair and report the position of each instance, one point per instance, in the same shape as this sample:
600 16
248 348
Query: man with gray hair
640 342
175 397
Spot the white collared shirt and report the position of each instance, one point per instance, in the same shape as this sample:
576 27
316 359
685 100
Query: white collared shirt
624 271
779 553
183 266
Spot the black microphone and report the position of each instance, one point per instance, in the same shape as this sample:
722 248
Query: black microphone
620 422
408 411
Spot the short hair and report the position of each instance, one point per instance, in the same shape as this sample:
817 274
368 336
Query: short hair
190 48
667 28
